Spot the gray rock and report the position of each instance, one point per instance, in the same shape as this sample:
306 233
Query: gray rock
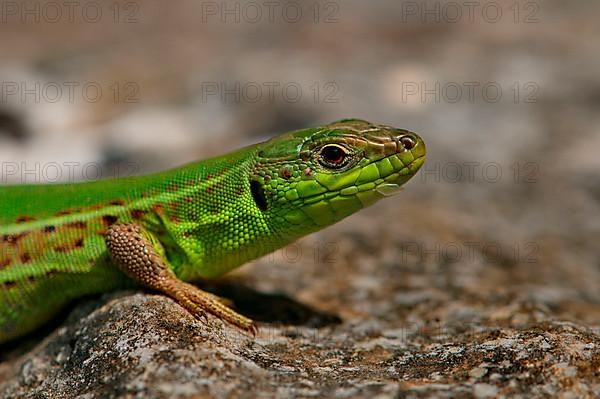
147 346
484 390
384 307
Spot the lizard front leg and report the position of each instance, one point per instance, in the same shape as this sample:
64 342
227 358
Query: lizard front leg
134 252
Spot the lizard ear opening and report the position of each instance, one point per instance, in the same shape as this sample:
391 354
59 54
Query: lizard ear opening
258 194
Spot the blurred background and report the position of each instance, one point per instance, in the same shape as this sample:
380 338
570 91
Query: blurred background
500 226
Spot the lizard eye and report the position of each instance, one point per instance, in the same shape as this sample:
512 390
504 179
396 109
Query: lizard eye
407 142
333 156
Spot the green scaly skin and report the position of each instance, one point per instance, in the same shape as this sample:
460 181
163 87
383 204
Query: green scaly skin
210 216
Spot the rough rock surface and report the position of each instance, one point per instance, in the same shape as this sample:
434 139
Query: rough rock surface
361 325
145 345
462 286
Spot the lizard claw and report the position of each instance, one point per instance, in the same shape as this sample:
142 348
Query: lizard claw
253 329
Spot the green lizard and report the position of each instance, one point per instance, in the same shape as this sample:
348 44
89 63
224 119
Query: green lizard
59 242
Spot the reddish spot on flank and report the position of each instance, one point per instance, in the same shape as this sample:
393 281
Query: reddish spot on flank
77 225
25 257
24 219
109 220
137 214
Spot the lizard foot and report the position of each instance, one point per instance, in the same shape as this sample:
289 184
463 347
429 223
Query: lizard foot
135 254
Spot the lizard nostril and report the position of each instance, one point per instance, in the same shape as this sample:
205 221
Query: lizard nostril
407 142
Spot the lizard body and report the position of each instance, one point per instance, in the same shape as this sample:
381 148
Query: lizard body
59 242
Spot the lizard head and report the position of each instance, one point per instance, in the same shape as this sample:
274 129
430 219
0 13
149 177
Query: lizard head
307 179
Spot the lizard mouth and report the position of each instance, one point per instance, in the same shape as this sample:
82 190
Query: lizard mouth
390 184
344 196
